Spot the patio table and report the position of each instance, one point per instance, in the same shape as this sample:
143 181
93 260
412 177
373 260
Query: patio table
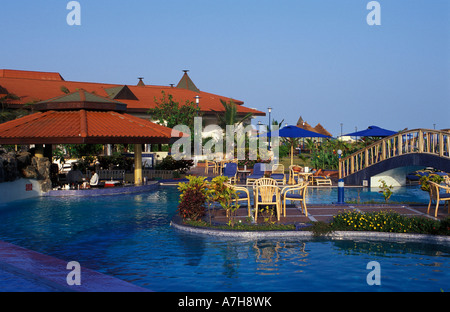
243 173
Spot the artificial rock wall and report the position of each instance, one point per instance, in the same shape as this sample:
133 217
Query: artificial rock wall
14 166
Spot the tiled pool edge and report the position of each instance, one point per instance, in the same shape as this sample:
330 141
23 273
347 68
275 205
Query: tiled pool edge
53 272
337 235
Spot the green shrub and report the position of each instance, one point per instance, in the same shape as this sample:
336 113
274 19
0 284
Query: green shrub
169 163
193 197
424 186
388 221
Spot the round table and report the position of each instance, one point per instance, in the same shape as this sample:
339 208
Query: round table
243 172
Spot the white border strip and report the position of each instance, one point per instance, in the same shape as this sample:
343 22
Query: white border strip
339 235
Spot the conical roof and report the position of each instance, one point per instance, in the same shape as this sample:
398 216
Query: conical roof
306 126
187 83
320 129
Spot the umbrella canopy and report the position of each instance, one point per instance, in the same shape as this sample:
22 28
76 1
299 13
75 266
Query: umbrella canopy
296 132
373 131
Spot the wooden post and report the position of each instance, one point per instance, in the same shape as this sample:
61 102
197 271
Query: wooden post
400 145
447 151
340 168
138 164
366 159
420 141
441 144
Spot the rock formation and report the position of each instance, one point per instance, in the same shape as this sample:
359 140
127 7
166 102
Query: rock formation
14 166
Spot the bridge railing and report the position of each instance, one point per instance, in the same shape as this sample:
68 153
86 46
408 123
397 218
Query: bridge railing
434 142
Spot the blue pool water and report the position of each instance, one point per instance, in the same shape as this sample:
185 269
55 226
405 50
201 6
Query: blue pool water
129 237
407 194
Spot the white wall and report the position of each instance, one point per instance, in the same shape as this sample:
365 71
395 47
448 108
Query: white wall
394 177
19 189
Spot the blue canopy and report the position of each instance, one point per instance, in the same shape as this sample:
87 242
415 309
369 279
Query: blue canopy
372 131
296 132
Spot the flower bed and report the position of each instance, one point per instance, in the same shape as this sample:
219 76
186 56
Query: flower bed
388 221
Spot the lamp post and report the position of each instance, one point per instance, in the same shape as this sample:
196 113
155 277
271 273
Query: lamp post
270 126
197 101
340 184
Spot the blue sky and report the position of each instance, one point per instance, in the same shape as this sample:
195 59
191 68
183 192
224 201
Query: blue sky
318 59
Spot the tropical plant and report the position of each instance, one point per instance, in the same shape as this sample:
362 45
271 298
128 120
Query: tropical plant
224 195
385 190
169 112
424 186
193 198
231 116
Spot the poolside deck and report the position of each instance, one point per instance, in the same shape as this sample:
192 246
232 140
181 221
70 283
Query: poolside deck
325 213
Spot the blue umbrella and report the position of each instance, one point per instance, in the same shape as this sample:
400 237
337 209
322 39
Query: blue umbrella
296 132
372 131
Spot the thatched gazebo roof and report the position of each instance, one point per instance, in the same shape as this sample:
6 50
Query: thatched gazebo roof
320 129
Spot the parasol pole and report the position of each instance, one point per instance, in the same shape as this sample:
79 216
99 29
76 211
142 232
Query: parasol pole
291 178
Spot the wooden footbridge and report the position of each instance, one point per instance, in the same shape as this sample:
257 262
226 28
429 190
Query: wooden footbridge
419 147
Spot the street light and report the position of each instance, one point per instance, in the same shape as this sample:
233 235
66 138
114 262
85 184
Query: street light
197 101
270 127
270 111
341 200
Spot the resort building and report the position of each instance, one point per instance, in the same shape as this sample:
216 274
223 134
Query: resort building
32 86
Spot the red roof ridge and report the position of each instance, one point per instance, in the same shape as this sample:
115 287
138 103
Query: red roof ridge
83 124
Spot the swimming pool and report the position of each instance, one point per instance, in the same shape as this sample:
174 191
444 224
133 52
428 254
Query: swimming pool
129 237
406 194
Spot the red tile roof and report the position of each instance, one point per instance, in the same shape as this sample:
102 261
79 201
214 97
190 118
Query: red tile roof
36 86
82 127
23 74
